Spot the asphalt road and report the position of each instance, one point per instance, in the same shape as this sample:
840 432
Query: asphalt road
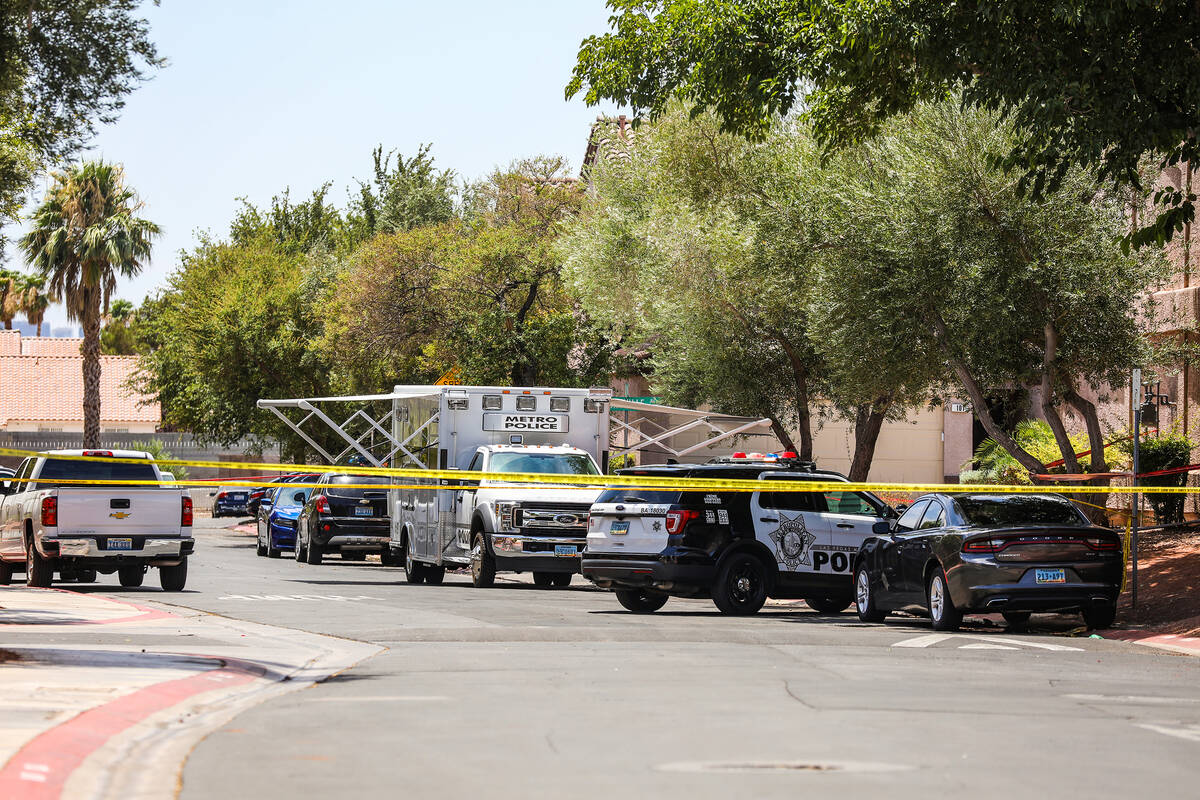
523 692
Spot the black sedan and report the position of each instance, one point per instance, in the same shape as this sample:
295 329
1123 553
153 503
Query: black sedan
345 514
950 555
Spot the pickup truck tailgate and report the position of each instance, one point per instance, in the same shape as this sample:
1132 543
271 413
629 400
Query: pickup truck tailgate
119 512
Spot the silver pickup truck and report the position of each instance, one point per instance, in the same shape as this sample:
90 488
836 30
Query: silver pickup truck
63 515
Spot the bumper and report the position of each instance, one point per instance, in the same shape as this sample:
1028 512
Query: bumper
352 533
648 572
230 510
95 551
283 538
988 587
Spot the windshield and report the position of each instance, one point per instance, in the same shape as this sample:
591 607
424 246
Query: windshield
287 495
106 472
1006 510
543 463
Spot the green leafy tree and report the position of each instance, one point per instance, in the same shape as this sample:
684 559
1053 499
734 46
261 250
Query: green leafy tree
33 299
946 254
9 297
401 195
85 235
1098 85
118 337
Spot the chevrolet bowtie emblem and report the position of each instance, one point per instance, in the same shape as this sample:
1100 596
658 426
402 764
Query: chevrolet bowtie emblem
119 514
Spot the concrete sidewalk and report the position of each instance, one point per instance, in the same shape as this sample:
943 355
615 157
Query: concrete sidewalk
103 712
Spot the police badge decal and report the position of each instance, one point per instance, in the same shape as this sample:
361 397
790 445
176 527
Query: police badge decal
792 542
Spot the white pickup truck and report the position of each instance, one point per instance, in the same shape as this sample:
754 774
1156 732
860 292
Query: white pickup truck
49 524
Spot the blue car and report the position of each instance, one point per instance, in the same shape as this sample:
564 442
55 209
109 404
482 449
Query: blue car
277 515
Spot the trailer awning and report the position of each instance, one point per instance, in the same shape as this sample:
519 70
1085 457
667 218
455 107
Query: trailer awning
671 432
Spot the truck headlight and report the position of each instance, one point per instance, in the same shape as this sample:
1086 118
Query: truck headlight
509 515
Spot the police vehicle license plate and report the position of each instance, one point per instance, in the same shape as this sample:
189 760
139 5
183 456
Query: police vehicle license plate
361 511
565 550
619 528
1050 576
120 544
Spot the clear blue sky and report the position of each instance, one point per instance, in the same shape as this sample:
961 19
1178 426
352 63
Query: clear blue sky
259 96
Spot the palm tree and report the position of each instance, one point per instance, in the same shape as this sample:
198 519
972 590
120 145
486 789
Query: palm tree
33 299
9 305
85 234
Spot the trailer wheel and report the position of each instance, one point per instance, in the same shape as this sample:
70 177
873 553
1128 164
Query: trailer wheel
483 563
414 571
434 575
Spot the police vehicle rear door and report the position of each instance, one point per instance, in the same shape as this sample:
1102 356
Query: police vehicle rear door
791 525
849 517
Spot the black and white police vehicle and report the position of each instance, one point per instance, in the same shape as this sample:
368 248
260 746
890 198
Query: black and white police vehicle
737 547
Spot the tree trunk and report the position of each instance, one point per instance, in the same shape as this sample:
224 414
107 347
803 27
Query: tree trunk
1049 410
971 386
91 367
1087 410
39 328
868 421
781 433
800 378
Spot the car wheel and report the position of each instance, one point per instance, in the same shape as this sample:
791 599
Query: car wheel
1098 619
864 598
299 552
741 585
434 575
260 549
173 579
273 552
39 572
312 553
543 579
483 563
6 573
1016 619
639 601
414 571
131 577
828 605
562 579
944 615
388 558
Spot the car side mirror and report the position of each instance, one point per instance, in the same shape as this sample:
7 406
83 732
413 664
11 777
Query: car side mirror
881 528
5 487
300 497
266 501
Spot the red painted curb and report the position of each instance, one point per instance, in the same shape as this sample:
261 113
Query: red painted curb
146 614
40 769
1166 640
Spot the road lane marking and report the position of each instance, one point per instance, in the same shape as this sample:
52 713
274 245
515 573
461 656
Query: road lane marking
986 646
1132 698
409 698
934 638
1189 732
312 598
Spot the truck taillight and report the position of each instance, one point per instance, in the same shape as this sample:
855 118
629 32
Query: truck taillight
677 520
97 453
321 504
49 512
185 519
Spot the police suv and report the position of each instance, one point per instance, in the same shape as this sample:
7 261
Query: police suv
737 547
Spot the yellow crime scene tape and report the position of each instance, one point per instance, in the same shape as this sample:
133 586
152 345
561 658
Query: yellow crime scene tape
435 476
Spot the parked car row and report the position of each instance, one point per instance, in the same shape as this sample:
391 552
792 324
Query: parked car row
944 556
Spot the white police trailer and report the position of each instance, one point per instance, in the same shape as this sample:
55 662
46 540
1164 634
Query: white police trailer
494 525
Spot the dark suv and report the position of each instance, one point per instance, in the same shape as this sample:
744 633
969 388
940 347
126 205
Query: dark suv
346 515
737 547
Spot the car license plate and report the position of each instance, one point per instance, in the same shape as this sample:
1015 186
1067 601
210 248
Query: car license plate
619 528
565 550
120 544
1050 576
239 498
361 511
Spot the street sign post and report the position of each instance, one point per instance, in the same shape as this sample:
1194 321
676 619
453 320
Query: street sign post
1134 517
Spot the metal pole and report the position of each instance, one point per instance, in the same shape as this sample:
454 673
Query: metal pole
1136 511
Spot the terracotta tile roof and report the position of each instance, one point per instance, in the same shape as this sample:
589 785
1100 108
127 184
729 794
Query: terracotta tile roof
51 388
47 346
10 343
